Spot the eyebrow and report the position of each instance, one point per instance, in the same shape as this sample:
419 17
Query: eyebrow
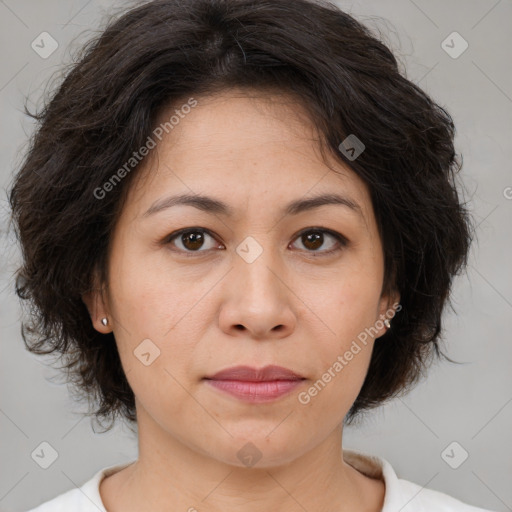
214 206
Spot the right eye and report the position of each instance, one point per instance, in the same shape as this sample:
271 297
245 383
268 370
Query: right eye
191 240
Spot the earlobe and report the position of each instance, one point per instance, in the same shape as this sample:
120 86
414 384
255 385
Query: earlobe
389 305
97 311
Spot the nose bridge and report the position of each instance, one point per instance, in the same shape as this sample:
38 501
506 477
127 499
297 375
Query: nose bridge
258 301
256 266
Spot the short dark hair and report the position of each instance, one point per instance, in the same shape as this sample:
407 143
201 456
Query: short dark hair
162 51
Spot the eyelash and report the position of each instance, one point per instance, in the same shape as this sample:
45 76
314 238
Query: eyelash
342 241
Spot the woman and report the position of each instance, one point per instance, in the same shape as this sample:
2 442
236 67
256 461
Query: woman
240 228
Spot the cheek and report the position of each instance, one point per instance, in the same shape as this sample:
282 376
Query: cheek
336 386
347 304
347 307
165 305
343 367
150 295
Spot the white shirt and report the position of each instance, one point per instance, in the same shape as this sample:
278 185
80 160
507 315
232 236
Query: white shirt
400 496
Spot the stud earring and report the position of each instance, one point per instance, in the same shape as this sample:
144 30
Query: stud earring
387 323
104 321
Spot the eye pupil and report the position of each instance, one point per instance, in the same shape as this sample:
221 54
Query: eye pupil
312 240
196 238
315 238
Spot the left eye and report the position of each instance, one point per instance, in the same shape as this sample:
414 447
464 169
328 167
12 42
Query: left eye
192 240
313 238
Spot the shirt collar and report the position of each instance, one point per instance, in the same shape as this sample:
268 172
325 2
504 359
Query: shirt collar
370 465
377 467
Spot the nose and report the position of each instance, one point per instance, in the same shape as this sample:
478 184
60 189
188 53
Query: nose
257 300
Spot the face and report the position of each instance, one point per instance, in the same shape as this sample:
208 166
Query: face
194 291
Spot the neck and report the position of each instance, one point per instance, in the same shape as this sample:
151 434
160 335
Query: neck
171 473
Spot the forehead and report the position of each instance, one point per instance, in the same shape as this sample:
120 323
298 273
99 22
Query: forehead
244 147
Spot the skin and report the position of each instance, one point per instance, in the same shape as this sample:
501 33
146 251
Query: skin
214 310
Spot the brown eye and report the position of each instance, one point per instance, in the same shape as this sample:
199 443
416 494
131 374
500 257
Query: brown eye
314 239
192 240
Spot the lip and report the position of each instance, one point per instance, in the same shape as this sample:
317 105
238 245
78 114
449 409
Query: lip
249 374
256 385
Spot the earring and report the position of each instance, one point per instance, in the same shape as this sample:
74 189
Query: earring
104 321
387 323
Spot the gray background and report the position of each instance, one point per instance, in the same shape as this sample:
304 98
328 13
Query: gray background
470 404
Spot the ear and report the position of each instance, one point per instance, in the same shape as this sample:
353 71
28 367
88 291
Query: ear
97 307
389 305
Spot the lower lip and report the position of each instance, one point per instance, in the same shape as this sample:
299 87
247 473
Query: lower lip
256 392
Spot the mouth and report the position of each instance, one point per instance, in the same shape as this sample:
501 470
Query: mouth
256 385
249 374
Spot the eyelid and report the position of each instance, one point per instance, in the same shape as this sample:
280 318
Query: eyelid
341 239
167 240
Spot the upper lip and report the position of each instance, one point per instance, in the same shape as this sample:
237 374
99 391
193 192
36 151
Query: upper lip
249 374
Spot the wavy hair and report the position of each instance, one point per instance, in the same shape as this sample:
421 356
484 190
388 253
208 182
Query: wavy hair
157 53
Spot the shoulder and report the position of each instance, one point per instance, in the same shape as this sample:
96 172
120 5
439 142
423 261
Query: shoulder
70 500
403 495
86 498
414 497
